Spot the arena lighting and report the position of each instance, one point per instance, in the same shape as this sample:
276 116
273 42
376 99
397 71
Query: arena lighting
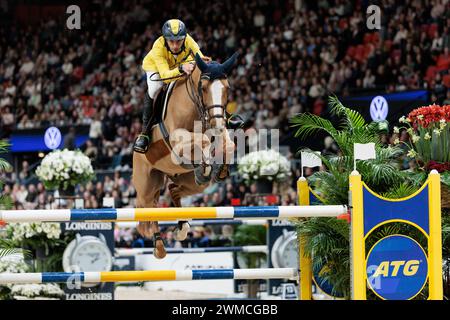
41 154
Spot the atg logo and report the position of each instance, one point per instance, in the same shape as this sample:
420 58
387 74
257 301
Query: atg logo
397 268
392 268
379 108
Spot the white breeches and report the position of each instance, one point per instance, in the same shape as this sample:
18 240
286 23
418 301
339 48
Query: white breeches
153 87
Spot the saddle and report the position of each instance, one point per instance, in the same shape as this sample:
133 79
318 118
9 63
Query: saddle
159 110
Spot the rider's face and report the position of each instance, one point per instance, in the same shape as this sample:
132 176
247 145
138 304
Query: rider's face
175 45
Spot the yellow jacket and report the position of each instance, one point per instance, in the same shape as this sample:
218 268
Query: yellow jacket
161 60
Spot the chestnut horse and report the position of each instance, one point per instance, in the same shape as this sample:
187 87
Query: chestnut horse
199 98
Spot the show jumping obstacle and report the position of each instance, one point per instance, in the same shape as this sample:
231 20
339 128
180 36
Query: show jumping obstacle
383 267
421 210
166 214
153 275
199 223
121 252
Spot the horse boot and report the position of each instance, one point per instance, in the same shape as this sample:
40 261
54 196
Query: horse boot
234 121
181 231
158 251
144 139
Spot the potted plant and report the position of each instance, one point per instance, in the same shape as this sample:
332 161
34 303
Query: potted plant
264 167
327 239
429 132
7 246
246 235
63 169
41 237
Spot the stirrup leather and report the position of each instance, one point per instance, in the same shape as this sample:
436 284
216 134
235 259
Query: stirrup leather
145 136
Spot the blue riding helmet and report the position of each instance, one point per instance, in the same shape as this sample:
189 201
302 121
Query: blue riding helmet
174 29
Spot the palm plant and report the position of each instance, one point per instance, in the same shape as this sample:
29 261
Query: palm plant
245 235
327 239
7 247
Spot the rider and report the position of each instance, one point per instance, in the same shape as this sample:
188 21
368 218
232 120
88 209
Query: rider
168 59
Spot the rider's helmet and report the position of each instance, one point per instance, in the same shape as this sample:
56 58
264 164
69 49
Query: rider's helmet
174 29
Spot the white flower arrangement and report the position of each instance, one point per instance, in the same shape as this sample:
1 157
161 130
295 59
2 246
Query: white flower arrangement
34 290
16 264
13 265
264 165
26 230
61 168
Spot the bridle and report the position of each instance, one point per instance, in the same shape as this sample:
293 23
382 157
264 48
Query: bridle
196 97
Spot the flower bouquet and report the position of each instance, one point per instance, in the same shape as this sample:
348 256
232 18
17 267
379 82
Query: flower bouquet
264 166
41 237
429 131
63 168
37 291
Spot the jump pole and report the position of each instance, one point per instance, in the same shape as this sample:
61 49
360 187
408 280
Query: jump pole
168 214
153 275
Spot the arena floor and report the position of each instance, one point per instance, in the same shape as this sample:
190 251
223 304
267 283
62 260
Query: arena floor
138 293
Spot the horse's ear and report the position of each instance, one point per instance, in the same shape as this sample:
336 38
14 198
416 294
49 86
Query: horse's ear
200 63
228 65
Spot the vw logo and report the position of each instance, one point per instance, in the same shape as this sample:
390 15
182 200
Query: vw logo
379 108
52 138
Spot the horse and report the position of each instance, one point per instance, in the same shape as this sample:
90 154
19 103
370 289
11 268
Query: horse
199 98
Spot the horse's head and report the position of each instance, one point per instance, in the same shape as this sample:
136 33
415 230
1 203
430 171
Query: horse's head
213 88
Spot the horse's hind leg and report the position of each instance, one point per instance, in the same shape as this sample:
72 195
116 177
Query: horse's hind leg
184 185
148 184
180 232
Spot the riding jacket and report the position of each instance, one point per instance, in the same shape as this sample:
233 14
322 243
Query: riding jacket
160 59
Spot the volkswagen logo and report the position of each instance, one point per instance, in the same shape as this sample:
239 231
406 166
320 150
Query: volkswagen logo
52 138
379 108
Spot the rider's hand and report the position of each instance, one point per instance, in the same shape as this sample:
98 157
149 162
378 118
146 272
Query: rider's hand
206 59
187 68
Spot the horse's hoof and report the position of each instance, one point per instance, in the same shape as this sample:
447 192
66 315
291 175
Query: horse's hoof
159 252
180 234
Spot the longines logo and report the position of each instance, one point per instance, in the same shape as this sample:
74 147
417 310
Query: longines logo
52 138
89 296
379 108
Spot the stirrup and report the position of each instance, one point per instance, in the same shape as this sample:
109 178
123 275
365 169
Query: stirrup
138 149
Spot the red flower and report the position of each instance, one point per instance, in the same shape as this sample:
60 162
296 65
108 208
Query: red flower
440 167
425 116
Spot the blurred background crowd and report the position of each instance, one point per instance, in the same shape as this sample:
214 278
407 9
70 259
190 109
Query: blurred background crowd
293 54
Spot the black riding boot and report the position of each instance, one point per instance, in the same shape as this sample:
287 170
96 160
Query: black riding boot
143 140
234 121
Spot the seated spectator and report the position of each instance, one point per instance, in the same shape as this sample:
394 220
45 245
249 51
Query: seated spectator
170 241
200 238
138 241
